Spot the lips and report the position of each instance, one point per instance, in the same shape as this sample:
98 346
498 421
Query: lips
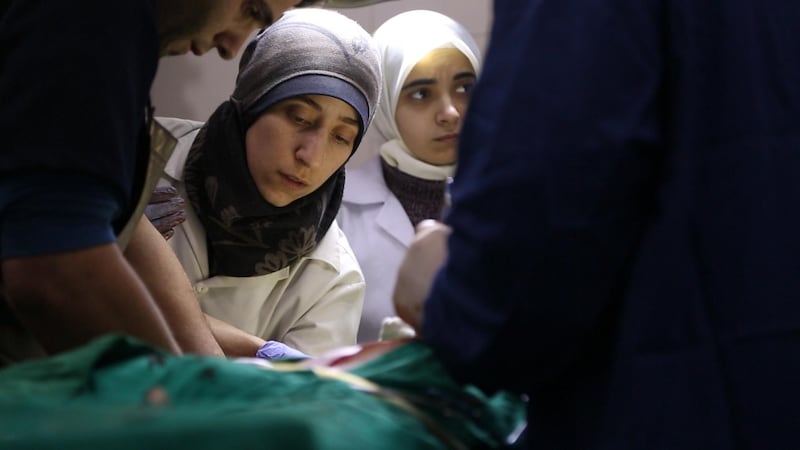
447 138
294 181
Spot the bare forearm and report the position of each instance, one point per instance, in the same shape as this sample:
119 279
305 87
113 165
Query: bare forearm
234 341
159 268
67 299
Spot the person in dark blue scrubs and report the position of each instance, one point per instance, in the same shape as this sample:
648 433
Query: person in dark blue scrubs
623 241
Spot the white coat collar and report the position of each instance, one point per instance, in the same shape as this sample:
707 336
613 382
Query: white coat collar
365 186
185 131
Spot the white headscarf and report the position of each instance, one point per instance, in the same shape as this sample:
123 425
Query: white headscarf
403 41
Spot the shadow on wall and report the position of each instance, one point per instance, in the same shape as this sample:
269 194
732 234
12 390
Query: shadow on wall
191 87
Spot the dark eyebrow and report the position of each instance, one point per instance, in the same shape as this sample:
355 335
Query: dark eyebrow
429 81
346 119
462 75
419 82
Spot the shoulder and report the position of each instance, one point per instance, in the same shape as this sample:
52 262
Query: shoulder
184 130
180 128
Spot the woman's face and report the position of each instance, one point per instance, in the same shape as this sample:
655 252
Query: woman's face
297 144
432 103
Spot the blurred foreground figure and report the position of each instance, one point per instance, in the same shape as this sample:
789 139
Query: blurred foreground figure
624 225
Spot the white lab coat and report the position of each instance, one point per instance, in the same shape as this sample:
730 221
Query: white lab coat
379 231
314 305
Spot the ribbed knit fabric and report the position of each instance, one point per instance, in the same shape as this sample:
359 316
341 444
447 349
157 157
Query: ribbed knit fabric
421 199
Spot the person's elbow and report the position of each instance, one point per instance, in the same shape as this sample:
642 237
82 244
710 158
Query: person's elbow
32 292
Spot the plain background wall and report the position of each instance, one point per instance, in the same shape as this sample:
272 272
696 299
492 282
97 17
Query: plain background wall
191 87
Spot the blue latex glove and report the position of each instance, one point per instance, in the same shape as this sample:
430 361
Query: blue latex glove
274 350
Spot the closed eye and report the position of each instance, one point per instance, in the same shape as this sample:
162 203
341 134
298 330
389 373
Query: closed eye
259 11
301 121
342 140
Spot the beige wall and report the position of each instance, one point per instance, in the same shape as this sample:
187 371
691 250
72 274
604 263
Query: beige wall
191 87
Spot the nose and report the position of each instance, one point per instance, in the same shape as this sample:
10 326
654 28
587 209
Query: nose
309 149
448 114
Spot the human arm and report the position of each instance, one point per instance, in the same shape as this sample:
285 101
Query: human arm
425 255
324 313
331 321
156 263
329 299
82 295
64 277
311 306
557 166
234 342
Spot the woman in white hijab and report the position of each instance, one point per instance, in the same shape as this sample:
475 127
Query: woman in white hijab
430 63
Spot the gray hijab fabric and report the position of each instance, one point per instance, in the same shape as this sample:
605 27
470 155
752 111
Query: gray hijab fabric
307 51
309 43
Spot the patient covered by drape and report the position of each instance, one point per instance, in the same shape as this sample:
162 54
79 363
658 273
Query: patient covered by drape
118 393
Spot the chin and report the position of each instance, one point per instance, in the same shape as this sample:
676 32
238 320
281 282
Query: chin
444 160
278 202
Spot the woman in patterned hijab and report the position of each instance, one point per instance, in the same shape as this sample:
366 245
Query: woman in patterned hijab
264 178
